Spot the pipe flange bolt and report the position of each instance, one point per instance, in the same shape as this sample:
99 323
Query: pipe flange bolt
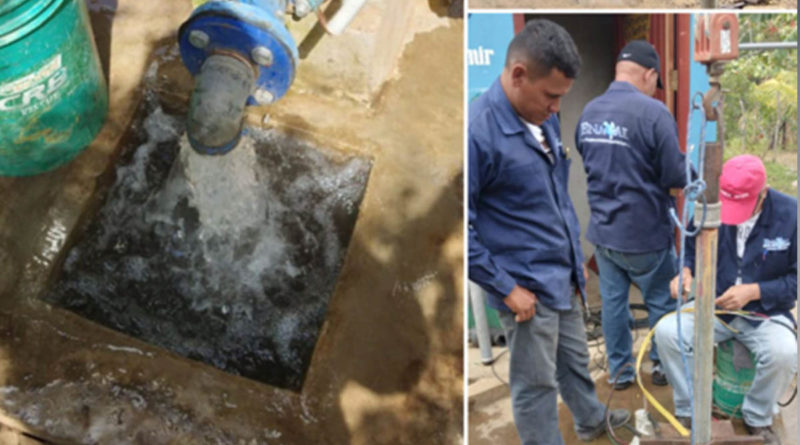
262 56
263 97
301 8
198 39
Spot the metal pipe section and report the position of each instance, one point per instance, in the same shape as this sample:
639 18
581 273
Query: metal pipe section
241 54
706 264
706 292
712 96
477 299
344 16
708 4
217 106
758 46
304 7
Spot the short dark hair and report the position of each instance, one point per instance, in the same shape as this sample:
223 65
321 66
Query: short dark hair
544 45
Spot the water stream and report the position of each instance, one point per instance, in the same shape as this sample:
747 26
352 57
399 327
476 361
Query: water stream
230 260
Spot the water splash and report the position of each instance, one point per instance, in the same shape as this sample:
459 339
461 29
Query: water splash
230 260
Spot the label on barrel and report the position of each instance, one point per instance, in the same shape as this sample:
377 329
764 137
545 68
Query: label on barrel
36 90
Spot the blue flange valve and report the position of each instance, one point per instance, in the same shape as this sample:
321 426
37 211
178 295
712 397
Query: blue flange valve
241 53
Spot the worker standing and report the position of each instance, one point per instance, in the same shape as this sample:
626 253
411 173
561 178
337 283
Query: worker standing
629 144
524 247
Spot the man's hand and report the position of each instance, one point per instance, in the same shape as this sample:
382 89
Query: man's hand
585 273
522 302
736 297
687 285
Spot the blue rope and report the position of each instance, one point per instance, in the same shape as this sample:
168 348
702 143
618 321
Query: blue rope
692 191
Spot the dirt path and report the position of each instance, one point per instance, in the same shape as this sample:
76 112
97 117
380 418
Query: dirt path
539 4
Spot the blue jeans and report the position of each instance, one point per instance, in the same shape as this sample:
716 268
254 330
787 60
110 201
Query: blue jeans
651 272
548 355
774 347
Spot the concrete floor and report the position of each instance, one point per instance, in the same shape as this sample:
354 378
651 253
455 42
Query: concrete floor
617 4
388 365
491 420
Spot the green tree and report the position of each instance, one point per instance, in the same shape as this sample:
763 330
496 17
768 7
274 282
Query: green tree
761 87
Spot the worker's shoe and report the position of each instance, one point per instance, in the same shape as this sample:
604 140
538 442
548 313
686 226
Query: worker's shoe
618 418
658 376
764 432
619 386
686 422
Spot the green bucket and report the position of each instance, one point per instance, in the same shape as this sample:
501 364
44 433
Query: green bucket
53 96
492 318
731 384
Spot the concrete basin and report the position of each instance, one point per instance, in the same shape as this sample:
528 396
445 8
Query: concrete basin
386 362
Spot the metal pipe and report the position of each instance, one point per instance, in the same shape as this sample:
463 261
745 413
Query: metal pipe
706 264
344 16
756 46
706 293
304 7
216 109
711 97
477 300
709 4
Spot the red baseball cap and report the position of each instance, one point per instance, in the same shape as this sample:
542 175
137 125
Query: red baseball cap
742 179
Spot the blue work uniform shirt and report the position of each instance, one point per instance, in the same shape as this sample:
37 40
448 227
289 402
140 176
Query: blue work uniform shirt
629 145
522 226
770 257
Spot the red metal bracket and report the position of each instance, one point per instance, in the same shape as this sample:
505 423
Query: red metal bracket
716 37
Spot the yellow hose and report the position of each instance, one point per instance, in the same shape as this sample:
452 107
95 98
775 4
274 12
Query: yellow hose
667 415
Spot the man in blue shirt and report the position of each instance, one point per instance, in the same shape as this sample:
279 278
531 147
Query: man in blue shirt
757 273
524 235
629 144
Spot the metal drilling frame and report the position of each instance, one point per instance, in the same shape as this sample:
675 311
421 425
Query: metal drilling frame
715 43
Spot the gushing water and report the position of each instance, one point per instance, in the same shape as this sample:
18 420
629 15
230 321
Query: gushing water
226 259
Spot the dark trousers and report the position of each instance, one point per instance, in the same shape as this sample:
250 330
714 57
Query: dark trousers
549 355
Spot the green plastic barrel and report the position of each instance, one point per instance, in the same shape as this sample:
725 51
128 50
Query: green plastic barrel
731 384
492 318
53 96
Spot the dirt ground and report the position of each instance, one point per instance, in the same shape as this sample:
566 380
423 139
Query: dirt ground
491 419
560 4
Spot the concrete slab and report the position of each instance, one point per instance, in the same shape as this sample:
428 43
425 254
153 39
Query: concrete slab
388 364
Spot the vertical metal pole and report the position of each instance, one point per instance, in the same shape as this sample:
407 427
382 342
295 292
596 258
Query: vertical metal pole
477 298
706 293
706 266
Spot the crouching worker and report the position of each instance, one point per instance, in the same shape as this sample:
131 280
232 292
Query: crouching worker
757 273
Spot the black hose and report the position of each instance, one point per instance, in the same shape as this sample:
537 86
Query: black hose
494 371
791 399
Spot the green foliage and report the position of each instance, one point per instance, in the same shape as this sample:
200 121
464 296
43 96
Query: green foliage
760 87
782 177
781 166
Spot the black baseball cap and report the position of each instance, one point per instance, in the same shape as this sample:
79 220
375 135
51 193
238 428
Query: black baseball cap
642 53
